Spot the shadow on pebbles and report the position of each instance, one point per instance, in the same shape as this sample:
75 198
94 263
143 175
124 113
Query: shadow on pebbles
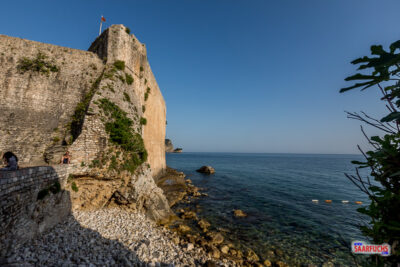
108 237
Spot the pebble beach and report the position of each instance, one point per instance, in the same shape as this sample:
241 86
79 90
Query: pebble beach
110 237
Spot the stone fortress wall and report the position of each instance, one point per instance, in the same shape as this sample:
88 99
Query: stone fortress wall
115 44
36 108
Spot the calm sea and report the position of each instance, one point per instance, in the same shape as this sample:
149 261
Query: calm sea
276 190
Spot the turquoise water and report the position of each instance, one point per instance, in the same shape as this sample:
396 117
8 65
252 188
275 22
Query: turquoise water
276 190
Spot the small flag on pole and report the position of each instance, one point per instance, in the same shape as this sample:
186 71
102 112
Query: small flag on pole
101 23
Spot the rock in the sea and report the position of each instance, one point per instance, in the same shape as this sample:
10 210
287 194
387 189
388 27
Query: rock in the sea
252 256
281 264
203 224
206 169
239 213
267 263
216 238
328 264
184 228
178 150
189 215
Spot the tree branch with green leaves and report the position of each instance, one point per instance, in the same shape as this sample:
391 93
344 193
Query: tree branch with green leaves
381 70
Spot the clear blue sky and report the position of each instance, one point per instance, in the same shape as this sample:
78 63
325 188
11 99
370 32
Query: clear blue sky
237 76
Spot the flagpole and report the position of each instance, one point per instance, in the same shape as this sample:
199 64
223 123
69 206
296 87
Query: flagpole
101 23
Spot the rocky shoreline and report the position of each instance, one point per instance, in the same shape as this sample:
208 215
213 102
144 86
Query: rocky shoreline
119 236
110 237
182 195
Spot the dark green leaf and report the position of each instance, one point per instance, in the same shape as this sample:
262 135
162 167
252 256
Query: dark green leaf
391 117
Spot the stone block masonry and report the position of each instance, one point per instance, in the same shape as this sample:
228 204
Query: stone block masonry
116 44
37 108
45 112
22 214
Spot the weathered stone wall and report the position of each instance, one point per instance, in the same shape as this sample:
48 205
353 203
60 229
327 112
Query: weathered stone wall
35 108
116 44
22 214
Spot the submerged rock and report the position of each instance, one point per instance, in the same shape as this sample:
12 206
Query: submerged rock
203 224
206 169
216 238
239 213
267 263
252 256
183 228
281 264
189 215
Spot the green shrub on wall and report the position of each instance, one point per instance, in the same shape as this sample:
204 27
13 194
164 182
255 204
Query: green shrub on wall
119 128
128 78
127 97
74 187
39 64
119 64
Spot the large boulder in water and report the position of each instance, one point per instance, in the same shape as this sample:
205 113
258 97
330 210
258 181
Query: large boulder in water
206 169
239 213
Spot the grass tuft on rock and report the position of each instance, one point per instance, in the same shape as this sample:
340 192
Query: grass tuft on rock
74 187
39 64
119 64
128 78
127 98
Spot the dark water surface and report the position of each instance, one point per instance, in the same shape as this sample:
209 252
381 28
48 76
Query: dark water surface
276 190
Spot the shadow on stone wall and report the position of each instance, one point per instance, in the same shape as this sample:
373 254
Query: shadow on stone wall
42 231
